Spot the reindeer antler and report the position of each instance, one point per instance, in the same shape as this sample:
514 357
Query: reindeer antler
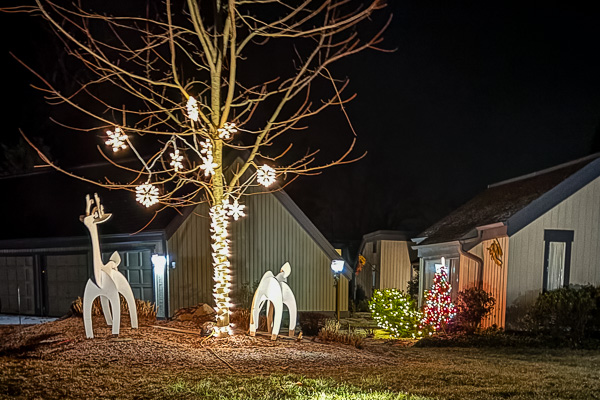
88 204
95 210
99 206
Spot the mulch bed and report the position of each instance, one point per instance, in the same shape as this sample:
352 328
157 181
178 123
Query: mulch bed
64 340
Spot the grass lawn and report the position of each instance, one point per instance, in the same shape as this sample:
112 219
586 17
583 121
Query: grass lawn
404 373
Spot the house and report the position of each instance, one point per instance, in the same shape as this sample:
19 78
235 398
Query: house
45 251
388 256
520 237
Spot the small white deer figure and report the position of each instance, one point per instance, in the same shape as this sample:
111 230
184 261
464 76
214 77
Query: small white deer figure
108 281
274 289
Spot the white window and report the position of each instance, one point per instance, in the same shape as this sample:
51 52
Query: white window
556 265
557 258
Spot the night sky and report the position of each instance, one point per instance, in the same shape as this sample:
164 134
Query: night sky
475 93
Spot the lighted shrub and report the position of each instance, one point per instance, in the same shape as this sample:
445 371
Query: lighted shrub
395 311
472 305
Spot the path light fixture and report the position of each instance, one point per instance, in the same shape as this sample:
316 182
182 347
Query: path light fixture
337 266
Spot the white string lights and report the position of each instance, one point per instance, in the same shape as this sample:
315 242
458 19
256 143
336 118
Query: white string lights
221 265
265 176
147 194
116 139
176 159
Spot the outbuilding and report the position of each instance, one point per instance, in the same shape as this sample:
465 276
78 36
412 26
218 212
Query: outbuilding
387 257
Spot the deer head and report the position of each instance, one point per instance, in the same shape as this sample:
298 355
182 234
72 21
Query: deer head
96 214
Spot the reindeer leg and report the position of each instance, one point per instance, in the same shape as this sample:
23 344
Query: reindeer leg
290 301
269 317
90 293
106 310
278 306
254 314
124 288
116 311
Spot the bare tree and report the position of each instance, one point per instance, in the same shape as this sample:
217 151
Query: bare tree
173 77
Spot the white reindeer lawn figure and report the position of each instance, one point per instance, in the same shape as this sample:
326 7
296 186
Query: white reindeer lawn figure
109 282
275 290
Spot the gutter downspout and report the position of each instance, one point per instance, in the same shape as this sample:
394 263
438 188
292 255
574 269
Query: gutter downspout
473 257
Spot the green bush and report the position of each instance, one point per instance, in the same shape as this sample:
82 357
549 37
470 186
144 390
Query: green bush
565 313
472 305
395 311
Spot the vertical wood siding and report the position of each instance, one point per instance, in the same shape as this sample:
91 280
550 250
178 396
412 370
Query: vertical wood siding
580 213
262 241
494 278
494 282
468 275
395 265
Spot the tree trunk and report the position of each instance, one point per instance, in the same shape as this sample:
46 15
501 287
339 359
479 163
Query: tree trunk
222 267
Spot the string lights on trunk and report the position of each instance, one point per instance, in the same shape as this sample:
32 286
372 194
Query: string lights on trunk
221 266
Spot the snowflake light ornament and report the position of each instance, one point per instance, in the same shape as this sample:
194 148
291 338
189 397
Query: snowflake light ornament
147 194
116 139
265 175
176 159
206 148
227 131
192 109
235 210
208 164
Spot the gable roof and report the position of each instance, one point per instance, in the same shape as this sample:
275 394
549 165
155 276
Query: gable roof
402 236
515 203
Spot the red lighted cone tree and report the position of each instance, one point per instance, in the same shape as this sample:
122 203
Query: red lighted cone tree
438 310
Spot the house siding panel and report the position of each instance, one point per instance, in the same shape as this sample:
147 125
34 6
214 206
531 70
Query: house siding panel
262 241
494 282
579 213
395 265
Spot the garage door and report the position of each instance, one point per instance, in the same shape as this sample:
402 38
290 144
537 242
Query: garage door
17 272
66 277
137 268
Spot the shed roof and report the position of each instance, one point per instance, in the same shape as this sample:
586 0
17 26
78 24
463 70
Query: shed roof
515 202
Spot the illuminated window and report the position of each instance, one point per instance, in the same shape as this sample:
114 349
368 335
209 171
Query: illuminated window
557 258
